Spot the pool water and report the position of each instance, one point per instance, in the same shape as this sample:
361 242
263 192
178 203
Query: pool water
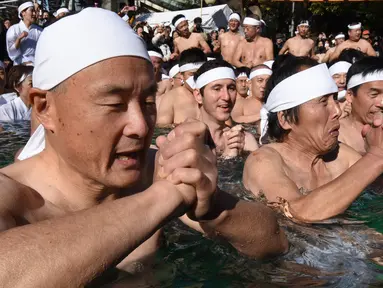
320 255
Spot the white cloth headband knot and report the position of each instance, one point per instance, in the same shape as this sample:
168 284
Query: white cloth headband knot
24 6
191 66
252 22
155 54
269 63
243 74
214 75
235 16
261 71
339 36
356 26
296 90
178 22
174 71
359 79
95 41
339 67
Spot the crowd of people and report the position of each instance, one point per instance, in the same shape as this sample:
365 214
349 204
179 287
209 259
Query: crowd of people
94 190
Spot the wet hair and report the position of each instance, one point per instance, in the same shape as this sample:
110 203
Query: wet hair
198 20
240 70
16 73
365 66
290 67
281 60
209 65
179 16
192 55
351 55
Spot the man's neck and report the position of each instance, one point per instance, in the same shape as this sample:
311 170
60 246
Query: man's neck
233 32
296 149
215 127
355 120
302 37
241 96
74 191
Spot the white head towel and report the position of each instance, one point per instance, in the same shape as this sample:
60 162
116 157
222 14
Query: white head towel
22 7
84 40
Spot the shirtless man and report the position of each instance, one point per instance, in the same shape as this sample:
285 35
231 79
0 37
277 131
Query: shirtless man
338 71
306 166
216 94
365 93
339 39
163 85
179 104
187 39
355 42
98 119
300 45
242 84
229 41
250 108
254 49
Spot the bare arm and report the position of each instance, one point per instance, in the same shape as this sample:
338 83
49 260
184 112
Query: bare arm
237 56
165 113
70 251
370 50
243 224
250 142
285 48
326 57
336 53
264 172
205 47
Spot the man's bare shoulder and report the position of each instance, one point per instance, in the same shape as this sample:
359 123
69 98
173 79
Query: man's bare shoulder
266 40
265 155
348 154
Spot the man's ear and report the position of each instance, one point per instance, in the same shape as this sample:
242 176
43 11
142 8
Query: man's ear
197 96
42 107
349 96
283 121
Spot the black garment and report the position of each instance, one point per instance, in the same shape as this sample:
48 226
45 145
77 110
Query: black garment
277 48
3 43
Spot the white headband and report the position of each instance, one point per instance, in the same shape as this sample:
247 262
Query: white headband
174 71
179 21
23 77
61 10
262 71
305 23
155 54
125 17
339 67
356 26
269 63
191 66
296 90
339 36
243 74
342 94
359 79
24 6
235 16
100 44
214 75
164 77
251 21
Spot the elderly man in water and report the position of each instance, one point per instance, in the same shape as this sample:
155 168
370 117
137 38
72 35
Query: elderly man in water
98 113
306 169
216 94
365 93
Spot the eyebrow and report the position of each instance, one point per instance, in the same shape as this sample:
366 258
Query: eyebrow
375 90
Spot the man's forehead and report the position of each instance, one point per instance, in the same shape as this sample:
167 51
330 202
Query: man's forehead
242 78
221 82
373 85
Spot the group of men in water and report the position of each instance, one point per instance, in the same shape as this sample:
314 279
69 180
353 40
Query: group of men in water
93 197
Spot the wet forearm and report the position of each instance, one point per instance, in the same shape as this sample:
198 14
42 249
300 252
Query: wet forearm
335 197
71 251
250 227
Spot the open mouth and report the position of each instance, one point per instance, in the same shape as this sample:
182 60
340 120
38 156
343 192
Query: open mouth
129 160
335 131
